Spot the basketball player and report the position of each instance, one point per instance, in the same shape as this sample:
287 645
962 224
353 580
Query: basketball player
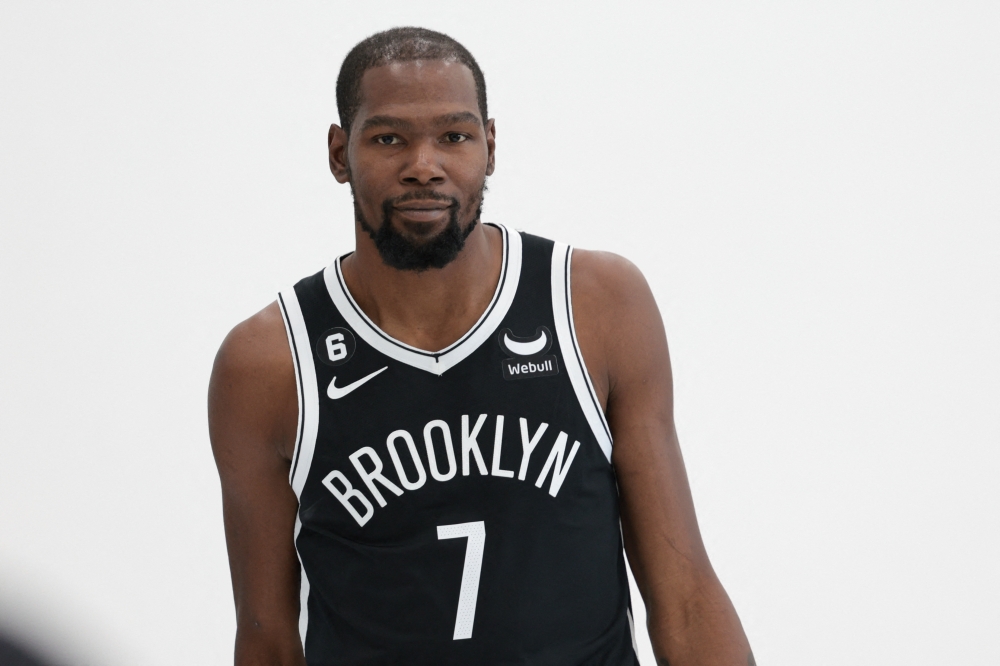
434 450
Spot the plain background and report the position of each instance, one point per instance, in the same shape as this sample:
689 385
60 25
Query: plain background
812 190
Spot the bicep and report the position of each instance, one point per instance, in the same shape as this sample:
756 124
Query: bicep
628 347
658 514
252 414
690 618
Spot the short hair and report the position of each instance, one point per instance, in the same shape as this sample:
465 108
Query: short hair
399 45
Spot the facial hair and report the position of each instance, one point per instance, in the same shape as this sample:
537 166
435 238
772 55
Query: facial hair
398 251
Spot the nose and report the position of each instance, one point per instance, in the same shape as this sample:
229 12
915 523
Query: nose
423 168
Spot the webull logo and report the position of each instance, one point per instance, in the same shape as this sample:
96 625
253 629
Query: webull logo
539 366
528 358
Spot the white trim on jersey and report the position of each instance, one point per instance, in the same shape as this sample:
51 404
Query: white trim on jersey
576 369
304 587
305 381
434 362
631 629
308 423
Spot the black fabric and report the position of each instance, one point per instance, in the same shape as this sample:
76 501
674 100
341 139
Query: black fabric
12 654
553 588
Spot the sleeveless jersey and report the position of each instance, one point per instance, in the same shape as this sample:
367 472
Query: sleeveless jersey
456 507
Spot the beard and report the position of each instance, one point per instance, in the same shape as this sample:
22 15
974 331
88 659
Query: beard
398 251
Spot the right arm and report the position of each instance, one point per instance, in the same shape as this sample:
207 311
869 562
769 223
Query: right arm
252 417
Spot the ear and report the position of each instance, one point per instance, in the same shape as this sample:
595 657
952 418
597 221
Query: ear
336 142
491 145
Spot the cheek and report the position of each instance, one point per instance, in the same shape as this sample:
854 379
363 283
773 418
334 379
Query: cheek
368 169
366 182
469 174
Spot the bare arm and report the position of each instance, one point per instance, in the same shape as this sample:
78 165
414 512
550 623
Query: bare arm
691 620
252 414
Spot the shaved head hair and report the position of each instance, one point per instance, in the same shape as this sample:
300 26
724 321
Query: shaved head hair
399 45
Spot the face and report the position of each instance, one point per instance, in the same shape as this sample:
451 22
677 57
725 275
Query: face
417 160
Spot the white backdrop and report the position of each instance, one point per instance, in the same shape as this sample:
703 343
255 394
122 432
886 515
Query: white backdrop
812 189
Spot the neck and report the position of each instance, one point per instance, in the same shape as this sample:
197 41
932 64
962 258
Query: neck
431 309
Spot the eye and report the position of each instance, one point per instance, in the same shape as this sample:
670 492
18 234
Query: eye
455 137
387 140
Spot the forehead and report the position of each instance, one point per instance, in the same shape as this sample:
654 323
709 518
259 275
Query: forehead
413 86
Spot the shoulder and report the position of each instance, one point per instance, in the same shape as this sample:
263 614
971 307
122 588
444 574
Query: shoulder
610 295
606 279
615 316
253 382
256 344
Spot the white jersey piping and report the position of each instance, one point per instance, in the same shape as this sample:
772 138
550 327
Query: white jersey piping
305 376
434 362
631 630
576 369
304 587
308 423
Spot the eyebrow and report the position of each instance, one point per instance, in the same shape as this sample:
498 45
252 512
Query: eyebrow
398 123
455 118
385 121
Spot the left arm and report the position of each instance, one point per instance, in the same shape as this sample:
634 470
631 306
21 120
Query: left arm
690 618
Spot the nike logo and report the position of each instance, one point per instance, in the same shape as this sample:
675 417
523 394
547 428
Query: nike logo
335 393
526 348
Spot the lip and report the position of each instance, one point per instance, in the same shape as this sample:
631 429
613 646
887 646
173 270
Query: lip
423 211
422 205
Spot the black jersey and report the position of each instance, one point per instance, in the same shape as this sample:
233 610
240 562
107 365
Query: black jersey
456 507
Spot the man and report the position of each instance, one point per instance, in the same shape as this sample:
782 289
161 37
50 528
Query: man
433 450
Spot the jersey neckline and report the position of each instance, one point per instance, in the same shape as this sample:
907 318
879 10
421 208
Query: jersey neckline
439 362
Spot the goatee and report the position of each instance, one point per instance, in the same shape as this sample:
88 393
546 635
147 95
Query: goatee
401 253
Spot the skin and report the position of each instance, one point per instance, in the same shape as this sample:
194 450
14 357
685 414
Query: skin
419 128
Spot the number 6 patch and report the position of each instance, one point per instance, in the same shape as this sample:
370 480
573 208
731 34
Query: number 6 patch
336 346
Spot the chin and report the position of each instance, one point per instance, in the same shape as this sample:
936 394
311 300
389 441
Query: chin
422 230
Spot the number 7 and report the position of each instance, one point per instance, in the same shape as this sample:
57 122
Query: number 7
476 533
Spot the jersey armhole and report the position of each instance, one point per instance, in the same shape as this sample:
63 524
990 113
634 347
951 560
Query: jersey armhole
305 384
576 369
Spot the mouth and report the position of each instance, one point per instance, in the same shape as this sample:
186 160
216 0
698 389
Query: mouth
423 211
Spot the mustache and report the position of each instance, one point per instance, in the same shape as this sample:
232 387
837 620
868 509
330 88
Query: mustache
422 195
